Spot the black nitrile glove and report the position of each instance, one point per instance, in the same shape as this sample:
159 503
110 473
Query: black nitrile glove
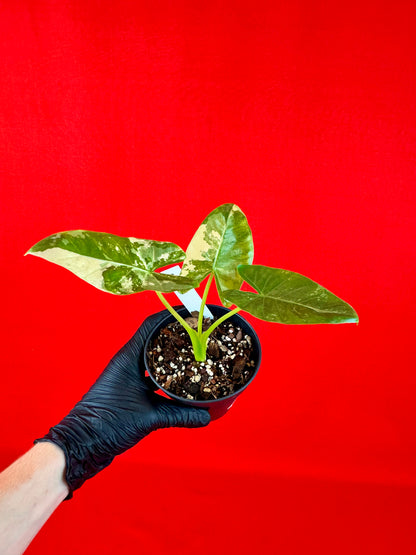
119 410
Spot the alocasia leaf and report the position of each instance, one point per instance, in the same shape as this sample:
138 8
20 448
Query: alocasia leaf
119 265
289 298
221 243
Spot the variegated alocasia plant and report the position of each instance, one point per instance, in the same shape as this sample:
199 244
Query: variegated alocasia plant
221 250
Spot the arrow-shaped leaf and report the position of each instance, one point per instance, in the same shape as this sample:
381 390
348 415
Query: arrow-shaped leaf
221 243
289 298
119 265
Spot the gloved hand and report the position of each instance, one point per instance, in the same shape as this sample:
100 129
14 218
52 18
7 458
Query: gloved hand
119 410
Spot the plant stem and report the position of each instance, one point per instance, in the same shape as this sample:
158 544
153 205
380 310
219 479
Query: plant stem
207 333
199 339
204 300
174 313
199 346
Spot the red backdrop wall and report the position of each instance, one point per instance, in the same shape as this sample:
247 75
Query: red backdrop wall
138 118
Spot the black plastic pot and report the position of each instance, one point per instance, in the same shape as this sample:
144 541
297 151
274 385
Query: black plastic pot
216 407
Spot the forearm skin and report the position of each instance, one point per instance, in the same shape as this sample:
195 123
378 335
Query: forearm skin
30 490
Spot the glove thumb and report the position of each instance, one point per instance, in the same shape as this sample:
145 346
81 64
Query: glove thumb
184 417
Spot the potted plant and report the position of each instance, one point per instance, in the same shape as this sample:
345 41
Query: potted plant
194 359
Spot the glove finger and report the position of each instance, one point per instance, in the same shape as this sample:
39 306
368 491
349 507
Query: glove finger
135 345
173 415
153 320
150 384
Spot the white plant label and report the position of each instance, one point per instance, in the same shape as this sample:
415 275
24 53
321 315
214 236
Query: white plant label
191 300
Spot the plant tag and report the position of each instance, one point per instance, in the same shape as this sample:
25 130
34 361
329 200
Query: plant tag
191 300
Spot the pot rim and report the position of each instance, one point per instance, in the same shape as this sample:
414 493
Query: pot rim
207 402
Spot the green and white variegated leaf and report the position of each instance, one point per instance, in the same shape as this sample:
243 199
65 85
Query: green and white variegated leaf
118 265
289 298
221 243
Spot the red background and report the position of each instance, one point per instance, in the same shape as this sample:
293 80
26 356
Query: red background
139 118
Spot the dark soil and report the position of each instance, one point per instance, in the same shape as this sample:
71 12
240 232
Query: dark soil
229 364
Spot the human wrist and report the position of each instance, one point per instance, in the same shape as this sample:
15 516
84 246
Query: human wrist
82 451
54 465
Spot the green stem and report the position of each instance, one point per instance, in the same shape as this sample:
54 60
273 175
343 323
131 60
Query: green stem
174 313
199 340
204 300
199 346
207 333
